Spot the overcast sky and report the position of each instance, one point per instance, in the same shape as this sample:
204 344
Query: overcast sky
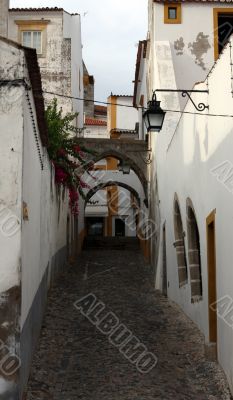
110 32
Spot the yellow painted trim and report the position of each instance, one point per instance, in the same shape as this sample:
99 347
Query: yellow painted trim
100 168
113 113
167 20
216 12
33 26
109 226
112 164
86 80
29 22
113 200
211 217
142 100
81 238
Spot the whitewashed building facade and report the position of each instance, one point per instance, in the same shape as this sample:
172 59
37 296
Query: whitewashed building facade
191 172
38 234
56 35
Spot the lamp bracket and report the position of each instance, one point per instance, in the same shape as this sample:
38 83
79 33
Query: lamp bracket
184 93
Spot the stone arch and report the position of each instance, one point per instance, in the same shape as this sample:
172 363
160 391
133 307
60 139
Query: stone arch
132 152
179 244
123 157
103 185
194 253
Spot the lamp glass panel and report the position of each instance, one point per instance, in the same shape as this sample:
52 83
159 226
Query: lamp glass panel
146 121
156 120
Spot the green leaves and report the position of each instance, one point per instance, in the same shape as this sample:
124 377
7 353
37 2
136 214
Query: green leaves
70 160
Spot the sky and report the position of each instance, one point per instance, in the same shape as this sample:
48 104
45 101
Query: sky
111 30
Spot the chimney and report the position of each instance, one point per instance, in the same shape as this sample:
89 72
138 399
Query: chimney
4 8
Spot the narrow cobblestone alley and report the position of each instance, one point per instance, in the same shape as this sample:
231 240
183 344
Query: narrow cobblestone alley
75 361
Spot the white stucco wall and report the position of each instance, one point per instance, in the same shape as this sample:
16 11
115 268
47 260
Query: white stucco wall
61 64
72 30
26 254
27 247
44 234
197 20
10 195
96 132
126 117
4 6
124 197
11 128
142 91
184 163
115 176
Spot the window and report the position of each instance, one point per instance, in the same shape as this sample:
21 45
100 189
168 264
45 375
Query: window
32 39
223 28
179 245
33 33
194 254
172 13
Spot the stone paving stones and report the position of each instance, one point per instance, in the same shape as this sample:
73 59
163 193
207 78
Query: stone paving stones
75 361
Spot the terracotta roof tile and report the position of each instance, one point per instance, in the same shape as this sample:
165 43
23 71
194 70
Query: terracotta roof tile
100 110
124 131
35 79
95 122
121 95
43 9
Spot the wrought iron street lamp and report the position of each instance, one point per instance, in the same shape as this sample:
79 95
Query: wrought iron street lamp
199 107
154 115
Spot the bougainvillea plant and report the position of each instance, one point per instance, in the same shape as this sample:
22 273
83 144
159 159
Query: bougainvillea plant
70 159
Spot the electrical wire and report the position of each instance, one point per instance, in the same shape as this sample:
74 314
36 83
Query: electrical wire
23 81
128 106
89 100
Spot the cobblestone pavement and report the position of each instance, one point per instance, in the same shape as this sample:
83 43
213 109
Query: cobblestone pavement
75 361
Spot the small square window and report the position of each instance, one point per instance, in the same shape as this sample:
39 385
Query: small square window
32 39
172 13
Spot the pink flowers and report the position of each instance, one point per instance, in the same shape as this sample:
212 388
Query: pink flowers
77 148
66 165
60 175
61 153
74 196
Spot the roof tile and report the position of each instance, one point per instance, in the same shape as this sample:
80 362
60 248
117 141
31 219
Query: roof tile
43 9
95 122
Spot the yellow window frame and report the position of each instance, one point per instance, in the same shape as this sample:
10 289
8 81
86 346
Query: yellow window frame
168 20
218 11
32 26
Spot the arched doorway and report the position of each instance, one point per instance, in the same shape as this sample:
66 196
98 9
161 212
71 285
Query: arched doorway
111 179
132 152
112 209
179 245
194 254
